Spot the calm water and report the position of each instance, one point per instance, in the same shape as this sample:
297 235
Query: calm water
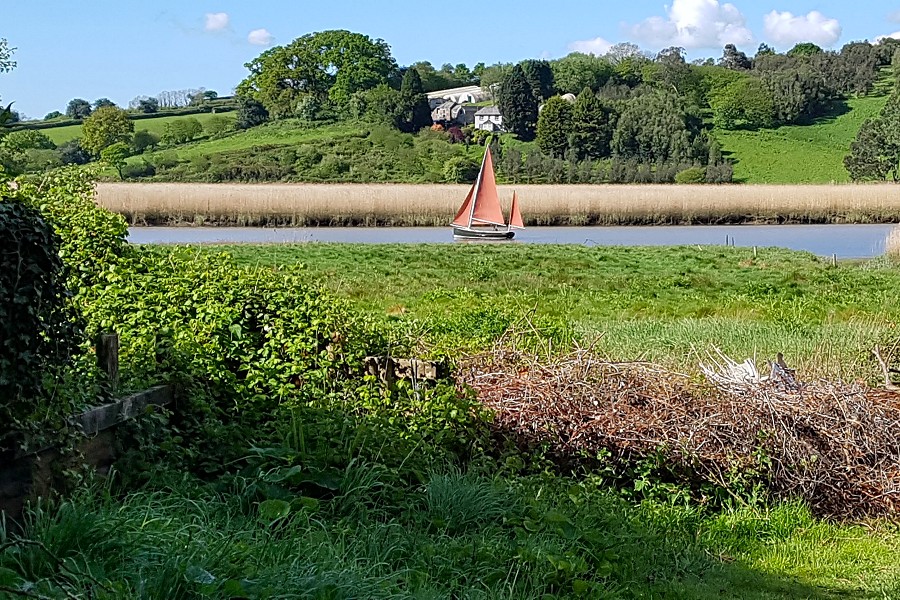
846 241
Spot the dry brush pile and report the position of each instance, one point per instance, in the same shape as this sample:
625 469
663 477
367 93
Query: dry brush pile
835 445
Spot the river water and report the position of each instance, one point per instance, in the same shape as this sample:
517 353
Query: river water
844 241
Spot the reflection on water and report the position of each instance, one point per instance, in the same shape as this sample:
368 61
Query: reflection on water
845 241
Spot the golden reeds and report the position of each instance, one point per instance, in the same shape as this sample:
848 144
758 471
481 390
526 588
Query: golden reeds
892 244
407 204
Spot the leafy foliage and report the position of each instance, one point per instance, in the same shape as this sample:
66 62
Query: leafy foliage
38 329
250 114
875 154
326 65
106 126
78 108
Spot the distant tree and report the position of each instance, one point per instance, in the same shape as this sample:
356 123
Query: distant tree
745 102
804 49
210 95
71 153
144 104
26 139
382 105
734 59
518 105
78 108
622 51
181 131
415 103
330 65
106 126
101 102
540 77
593 123
765 50
143 140
554 127
53 115
217 125
875 154
491 77
460 169
657 127
115 155
577 71
250 113
8 116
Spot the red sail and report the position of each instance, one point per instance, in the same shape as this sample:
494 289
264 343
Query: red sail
515 217
462 217
487 202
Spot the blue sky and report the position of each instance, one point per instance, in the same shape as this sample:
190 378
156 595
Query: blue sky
122 48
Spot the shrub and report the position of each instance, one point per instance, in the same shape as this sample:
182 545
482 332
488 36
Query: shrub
143 140
691 175
460 169
137 170
218 125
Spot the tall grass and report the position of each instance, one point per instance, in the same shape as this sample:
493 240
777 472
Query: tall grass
423 205
892 244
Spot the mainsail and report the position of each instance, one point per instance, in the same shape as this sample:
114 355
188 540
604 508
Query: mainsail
482 204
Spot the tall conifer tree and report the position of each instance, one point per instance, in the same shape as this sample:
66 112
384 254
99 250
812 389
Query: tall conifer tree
518 105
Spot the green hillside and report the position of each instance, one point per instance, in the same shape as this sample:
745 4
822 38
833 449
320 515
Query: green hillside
799 153
60 135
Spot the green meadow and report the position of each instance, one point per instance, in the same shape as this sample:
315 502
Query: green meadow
61 135
668 305
799 153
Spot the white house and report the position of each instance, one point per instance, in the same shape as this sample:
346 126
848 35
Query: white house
452 113
489 119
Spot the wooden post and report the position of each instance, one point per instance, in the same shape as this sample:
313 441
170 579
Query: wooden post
754 251
834 260
108 358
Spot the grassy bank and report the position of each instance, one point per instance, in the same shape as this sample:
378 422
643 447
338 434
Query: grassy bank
61 135
666 305
799 153
404 204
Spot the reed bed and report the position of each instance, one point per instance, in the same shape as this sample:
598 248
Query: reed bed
433 205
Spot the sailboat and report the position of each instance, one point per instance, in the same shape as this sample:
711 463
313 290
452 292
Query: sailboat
480 216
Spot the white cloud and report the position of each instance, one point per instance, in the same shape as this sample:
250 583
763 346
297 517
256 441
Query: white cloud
694 24
260 37
895 35
597 46
216 21
785 29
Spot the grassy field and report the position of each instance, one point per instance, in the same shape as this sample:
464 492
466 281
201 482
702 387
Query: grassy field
60 135
667 305
799 154
418 204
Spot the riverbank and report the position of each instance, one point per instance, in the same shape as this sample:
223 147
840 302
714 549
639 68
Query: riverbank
296 205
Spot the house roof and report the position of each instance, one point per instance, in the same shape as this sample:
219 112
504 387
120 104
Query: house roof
489 111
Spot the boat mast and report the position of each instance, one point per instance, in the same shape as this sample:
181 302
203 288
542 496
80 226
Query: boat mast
487 148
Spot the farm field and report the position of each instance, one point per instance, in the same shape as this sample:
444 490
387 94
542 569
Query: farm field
61 135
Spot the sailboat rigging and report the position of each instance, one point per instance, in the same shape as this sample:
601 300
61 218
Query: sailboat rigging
481 216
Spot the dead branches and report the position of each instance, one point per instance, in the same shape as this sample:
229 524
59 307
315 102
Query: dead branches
835 445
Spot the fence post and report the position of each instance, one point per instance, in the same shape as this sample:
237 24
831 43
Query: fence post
108 358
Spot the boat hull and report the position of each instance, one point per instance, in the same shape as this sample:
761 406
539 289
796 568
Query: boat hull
482 233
